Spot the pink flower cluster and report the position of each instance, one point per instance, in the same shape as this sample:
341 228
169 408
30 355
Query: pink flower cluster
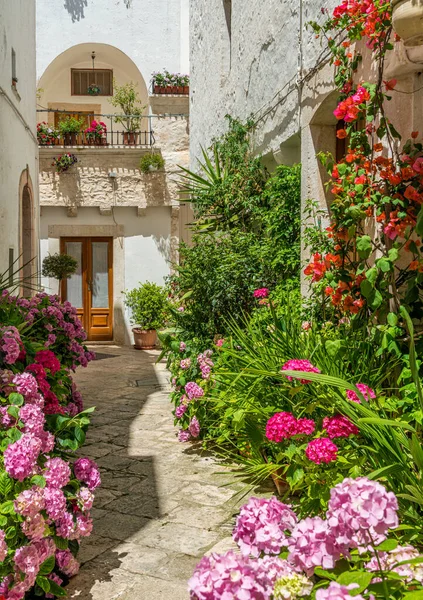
300 365
389 562
261 526
193 431
339 426
10 344
205 363
261 293
185 363
87 471
336 591
193 390
284 425
366 391
349 109
321 450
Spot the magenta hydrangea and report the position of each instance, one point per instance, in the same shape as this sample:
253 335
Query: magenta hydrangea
261 293
55 502
312 544
180 410
194 427
21 457
261 526
86 470
362 511
48 360
282 425
184 435
305 426
336 591
367 392
66 562
321 450
57 472
3 545
193 390
300 365
339 426
33 418
10 344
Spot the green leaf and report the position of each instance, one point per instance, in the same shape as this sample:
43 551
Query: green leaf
6 485
387 546
47 566
79 435
13 411
324 574
364 246
361 578
56 590
7 508
333 347
39 480
392 319
419 224
44 583
366 288
384 265
387 422
371 275
61 543
16 399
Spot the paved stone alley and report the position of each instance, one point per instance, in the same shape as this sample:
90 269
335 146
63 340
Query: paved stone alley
162 504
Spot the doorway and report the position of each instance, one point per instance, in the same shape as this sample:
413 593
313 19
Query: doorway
90 289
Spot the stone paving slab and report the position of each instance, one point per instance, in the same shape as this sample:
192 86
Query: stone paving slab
162 504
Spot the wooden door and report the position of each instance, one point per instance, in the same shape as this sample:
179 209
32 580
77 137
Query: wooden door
90 289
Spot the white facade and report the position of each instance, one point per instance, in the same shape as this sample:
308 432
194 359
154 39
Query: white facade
18 143
139 211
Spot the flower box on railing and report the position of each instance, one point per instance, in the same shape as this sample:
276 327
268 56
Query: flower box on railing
171 89
170 83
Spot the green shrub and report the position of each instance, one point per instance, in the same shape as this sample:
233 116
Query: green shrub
148 305
71 125
151 162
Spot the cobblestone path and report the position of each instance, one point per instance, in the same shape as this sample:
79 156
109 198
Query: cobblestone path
162 504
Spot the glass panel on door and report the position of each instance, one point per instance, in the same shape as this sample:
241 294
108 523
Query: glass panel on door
74 284
100 275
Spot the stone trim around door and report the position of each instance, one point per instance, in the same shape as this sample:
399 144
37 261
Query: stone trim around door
55 232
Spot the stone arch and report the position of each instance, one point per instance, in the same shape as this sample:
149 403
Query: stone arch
27 250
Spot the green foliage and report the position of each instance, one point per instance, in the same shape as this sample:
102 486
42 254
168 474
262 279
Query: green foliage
148 305
59 266
151 162
71 125
127 98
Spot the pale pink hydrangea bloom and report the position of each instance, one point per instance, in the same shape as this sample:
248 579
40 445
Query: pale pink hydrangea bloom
261 525
27 559
336 591
339 426
367 392
362 511
300 365
66 562
184 435
20 457
34 527
85 498
30 502
193 390
86 470
194 427
26 384
312 544
185 363
57 473
321 450
182 347
33 418
388 561
84 525
66 526
45 548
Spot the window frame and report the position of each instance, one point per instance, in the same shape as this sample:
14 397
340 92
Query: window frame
88 70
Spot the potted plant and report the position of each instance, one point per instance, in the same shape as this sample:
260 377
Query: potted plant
63 162
95 134
147 304
69 129
170 83
59 266
151 162
128 100
93 89
46 135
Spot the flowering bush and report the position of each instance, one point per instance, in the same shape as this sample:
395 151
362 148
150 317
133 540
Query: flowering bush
46 495
343 556
64 162
46 135
96 131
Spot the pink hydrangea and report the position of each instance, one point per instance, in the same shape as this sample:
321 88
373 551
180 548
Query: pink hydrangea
10 344
20 457
48 360
180 410
261 293
194 427
84 525
47 441
87 471
193 390
66 526
300 365
261 526
57 580
220 342
185 363
312 544
34 527
3 545
182 347
321 450
33 418
55 502
27 559
205 363
5 419
306 426
84 498
26 384
30 502
226 576
336 591
66 562
57 473
339 426
45 548
362 511
282 425
389 560
184 435
367 392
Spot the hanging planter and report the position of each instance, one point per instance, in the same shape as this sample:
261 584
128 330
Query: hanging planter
93 89
64 162
407 21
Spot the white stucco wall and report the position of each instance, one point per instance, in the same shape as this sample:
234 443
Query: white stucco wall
141 249
18 147
153 34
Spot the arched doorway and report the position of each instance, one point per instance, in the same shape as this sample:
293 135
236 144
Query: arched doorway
27 233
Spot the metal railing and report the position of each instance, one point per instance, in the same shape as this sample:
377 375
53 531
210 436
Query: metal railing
115 135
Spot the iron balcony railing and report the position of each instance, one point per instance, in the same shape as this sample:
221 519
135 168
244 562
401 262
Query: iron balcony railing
135 131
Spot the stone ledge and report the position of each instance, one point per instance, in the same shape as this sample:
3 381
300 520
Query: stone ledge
162 104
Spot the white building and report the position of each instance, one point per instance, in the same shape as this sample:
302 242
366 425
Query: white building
18 142
122 225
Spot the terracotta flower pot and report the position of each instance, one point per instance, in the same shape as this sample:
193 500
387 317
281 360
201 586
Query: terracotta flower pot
186 89
70 139
144 340
130 138
407 21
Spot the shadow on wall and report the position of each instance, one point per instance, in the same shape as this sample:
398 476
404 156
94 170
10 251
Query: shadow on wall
123 443
76 8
